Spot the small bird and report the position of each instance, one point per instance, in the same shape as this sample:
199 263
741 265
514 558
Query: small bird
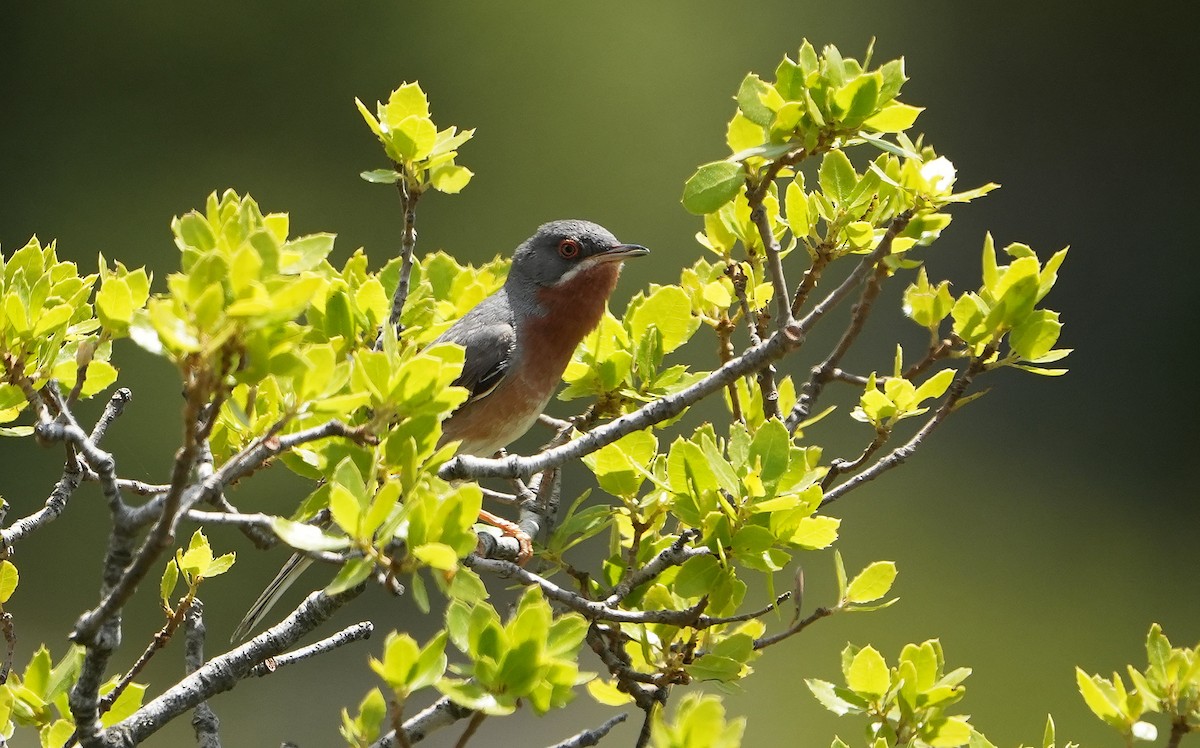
518 343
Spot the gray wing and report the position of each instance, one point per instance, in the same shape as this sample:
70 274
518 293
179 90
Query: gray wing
489 335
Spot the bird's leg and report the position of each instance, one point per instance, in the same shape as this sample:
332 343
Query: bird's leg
512 530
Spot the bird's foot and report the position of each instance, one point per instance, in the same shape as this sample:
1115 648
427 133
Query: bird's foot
511 529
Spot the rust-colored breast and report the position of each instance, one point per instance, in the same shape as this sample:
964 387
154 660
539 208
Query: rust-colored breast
572 310
544 348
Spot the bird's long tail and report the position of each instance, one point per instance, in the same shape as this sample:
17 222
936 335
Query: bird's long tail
290 572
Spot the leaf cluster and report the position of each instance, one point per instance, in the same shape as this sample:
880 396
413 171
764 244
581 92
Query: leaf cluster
1169 685
37 698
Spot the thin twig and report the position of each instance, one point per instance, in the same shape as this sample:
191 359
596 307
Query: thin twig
783 301
724 331
812 277
840 466
55 503
557 424
898 455
796 628
112 410
614 657
756 326
740 617
441 713
223 673
821 373
160 640
472 725
348 635
593 736
10 642
204 720
939 350
841 375
160 537
408 243
1179 728
594 610
673 555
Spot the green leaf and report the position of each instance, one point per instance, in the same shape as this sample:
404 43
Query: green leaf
114 302
1048 734
607 693
816 532
219 565
1158 654
839 569
670 311
198 555
305 253
860 234
715 667
65 673
859 97
307 537
837 176
368 117
872 582
406 101
353 573
431 665
450 178
438 555
713 185
743 134
1100 698
382 176
346 509
754 96
620 466
887 147
868 673
893 118
947 732
698 576
796 205
166 587
771 446
838 700
688 469
414 137
935 386
126 704
1036 335
473 696
970 313
37 672
566 634
807 58
925 304
400 653
8 580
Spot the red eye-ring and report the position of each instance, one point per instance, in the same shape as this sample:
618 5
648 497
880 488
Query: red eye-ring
568 248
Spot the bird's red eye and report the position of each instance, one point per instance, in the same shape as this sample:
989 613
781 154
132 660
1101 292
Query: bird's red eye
568 248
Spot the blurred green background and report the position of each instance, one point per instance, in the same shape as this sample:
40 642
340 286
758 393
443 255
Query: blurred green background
1047 525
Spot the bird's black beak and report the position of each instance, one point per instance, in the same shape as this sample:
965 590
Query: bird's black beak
622 252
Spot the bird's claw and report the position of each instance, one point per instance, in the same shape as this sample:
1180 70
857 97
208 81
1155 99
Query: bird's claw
511 529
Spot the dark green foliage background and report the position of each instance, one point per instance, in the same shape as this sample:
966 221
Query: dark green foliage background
1046 525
